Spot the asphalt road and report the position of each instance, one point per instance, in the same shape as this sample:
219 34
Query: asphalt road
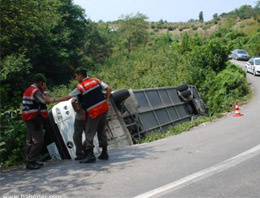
217 159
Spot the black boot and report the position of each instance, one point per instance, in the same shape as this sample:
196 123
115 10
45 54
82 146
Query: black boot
90 158
104 155
32 165
39 163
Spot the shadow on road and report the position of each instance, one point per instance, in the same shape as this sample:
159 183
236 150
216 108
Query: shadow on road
59 177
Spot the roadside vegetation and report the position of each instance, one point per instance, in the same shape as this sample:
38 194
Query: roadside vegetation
175 130
55 37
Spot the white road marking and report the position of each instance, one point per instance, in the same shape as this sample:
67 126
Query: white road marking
203 173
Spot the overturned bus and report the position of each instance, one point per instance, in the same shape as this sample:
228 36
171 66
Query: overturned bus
132 115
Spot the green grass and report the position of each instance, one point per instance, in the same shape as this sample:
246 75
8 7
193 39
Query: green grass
175 130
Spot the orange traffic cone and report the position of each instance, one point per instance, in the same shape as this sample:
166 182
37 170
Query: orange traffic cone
237 113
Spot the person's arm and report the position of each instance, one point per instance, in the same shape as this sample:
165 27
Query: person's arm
75 105
60 99
47 98
42 95
107 88
108 92
74 93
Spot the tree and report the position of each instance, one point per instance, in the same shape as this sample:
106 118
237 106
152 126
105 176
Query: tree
211 55
201 17
50 35
257 11
161 21
98 43
25 28
253 44
63 51
133 29
245 12
23 22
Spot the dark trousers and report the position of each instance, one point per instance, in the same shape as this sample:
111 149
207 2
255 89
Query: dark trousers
34 139
93 126
79 127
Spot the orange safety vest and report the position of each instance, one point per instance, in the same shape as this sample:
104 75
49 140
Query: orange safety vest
31 108
92 98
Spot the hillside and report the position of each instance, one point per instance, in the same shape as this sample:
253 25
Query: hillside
245 19
248 26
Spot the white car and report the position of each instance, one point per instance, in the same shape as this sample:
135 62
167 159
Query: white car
253 66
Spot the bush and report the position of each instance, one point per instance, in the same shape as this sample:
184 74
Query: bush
228 86
194 27
12 138
13 70
211 55
152 33
253 44
159 26
171 28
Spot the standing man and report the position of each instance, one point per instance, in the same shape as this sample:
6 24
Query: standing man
94 102
34 110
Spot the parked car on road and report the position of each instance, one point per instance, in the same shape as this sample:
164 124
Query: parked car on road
240 54
253 65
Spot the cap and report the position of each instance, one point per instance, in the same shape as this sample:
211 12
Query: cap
39 78
80 69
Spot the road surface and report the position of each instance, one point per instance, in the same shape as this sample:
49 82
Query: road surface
216 159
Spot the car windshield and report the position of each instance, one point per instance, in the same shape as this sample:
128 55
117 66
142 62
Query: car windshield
257 61
241 52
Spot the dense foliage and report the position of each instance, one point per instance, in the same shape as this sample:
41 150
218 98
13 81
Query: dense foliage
51 37
54 37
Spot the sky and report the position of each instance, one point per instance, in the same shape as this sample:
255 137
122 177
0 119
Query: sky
155 10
